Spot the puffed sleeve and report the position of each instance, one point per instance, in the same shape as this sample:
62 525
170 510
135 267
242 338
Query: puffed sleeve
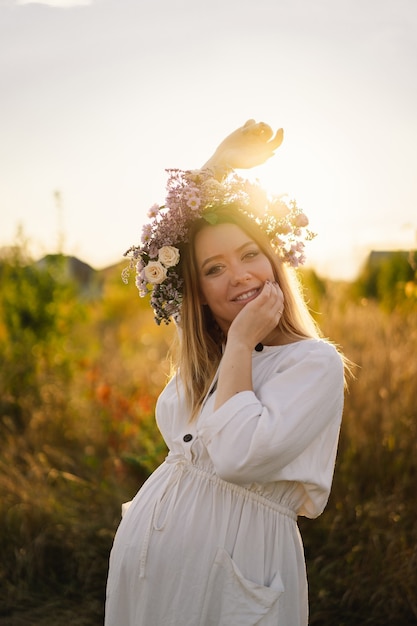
285 430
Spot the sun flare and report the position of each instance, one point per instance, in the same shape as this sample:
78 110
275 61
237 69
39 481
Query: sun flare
319 197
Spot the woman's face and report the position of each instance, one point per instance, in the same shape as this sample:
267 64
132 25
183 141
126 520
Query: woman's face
232 270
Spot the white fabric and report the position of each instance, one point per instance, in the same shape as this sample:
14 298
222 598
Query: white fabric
211 538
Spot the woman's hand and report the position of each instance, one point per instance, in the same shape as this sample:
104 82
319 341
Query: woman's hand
248 146
254 323
259 318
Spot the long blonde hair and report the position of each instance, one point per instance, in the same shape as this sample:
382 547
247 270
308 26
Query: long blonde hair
200 340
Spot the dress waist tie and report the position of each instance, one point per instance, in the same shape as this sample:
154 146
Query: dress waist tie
171 488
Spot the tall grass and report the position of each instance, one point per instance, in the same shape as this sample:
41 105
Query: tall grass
77 438
362 552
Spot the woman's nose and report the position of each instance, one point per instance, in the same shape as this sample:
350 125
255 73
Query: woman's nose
239 275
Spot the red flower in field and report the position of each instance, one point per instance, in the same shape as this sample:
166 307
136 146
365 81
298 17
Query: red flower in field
103 393
146 404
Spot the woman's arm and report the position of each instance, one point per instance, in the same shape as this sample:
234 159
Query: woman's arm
252 325
288 428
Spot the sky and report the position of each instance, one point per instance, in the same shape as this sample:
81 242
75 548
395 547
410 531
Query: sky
98 97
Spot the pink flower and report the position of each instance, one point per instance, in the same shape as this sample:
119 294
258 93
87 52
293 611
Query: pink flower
298 246
153 211
301 220
146 233
194 203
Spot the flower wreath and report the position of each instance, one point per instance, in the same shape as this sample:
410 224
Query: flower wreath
195 194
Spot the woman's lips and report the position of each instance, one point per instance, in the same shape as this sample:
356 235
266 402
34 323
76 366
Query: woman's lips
243 297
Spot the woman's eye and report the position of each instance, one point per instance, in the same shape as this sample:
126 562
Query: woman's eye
251 254
214 269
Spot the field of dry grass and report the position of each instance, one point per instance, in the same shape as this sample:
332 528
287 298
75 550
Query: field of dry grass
77 438
362 552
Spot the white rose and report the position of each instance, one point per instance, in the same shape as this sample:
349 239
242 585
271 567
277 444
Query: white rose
155 272
169 256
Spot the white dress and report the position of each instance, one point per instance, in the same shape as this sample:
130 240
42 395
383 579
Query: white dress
211 538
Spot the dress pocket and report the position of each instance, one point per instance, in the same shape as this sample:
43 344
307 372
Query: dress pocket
231 599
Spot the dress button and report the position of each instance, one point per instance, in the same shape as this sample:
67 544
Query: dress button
187 438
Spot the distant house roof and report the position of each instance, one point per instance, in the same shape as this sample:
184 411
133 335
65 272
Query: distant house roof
74 269
378 256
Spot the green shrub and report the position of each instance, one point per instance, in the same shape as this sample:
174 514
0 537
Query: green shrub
390 278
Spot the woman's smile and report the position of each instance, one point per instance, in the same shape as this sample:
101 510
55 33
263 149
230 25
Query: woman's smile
247 295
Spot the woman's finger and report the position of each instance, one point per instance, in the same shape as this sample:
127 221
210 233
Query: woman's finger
277 140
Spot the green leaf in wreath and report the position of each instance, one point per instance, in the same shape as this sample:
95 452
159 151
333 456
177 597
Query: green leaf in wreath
211 218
